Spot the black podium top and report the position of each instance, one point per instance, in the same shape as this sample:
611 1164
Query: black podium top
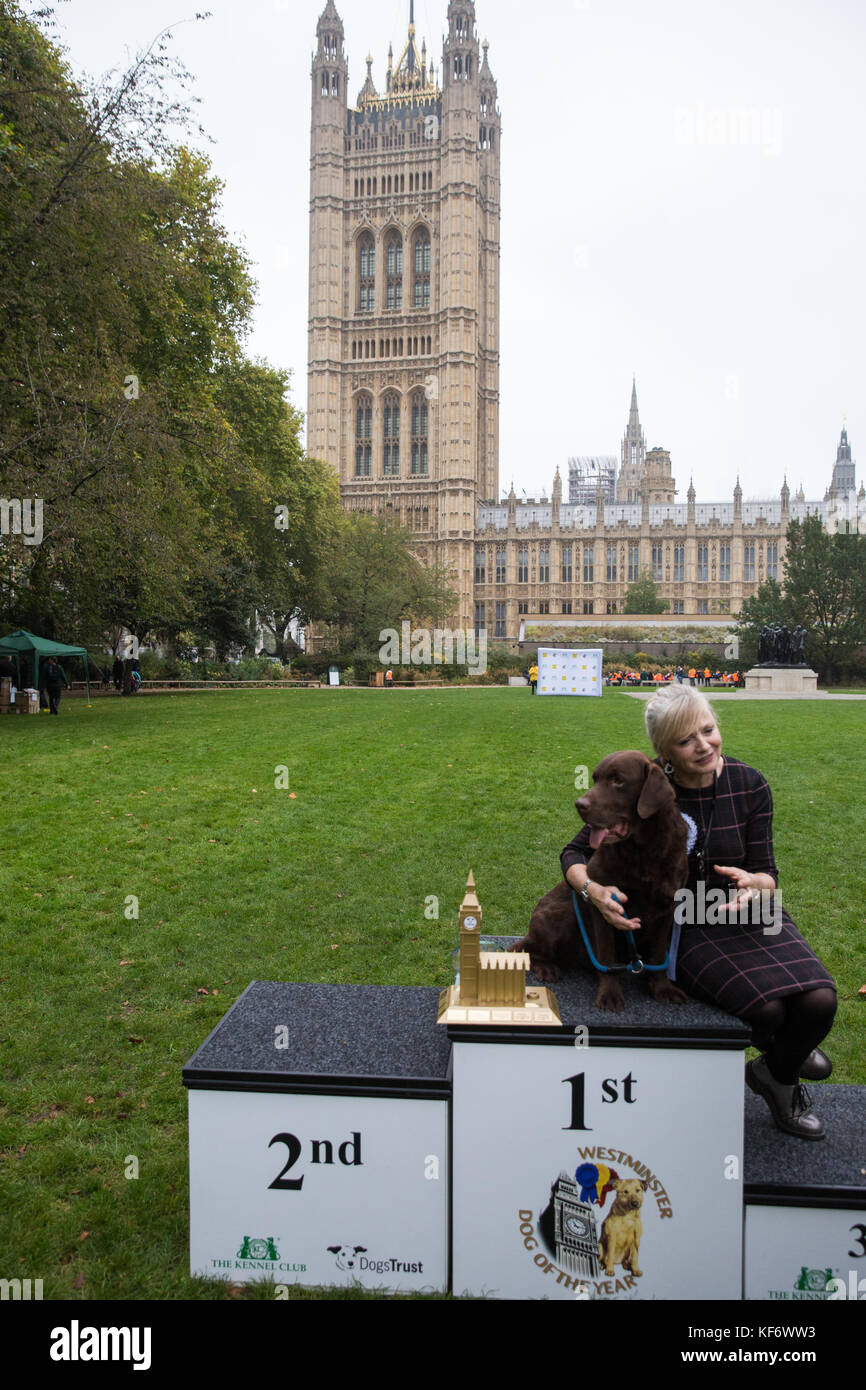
643 1024
328 1039
780 1170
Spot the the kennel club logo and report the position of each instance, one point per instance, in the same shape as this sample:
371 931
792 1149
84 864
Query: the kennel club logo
593 1223
258 1249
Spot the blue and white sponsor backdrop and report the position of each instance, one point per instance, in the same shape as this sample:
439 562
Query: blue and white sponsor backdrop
319 1189
571 671
649 1169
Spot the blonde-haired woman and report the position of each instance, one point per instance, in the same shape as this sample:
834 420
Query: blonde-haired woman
762 971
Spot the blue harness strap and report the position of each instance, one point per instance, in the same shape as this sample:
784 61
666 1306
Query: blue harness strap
636 966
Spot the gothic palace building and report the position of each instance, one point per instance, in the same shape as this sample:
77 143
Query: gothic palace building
403 383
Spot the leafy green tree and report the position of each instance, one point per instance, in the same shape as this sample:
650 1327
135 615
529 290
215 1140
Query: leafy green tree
285 507
121 293
825 592
126 406
376 583
643 595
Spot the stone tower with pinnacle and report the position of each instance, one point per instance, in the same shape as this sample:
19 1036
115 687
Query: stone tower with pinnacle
628 486
403 368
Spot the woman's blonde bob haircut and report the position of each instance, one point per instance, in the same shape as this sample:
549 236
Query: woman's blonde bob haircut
673 714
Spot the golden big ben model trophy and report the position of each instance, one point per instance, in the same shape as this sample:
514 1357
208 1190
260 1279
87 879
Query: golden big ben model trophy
492 985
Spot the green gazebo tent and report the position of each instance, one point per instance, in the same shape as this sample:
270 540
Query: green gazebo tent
25 642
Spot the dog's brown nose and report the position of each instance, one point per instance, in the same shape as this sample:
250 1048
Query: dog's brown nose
583 806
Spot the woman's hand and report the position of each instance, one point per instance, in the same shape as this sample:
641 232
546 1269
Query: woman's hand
609 902
747 886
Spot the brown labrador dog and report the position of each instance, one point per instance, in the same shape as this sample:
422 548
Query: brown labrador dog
639 841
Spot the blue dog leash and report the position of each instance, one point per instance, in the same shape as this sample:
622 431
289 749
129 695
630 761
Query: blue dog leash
636 966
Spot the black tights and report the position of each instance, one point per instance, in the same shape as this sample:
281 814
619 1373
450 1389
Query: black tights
788 1029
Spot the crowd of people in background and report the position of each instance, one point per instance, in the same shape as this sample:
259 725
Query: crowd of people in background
692 676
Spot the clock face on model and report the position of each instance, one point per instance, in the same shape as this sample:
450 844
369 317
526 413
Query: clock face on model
470 923
576 1226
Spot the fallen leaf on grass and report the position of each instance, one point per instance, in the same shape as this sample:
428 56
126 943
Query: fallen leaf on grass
88 1100
48 1114
202 991
84 1235
133 1039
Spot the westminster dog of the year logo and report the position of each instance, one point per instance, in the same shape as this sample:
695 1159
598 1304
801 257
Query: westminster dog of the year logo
592 1225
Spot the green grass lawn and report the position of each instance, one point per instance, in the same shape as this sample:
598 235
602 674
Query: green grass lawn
392 798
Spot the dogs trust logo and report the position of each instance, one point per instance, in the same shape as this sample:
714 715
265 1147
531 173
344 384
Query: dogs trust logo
353 1258
346 1256
592 1226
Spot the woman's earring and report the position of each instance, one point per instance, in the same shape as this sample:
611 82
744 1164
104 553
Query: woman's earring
669 767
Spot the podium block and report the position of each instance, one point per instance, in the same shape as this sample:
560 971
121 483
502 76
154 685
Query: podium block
318 1139
603 1159
806 1202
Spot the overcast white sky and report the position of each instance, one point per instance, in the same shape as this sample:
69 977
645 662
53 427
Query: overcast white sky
682 197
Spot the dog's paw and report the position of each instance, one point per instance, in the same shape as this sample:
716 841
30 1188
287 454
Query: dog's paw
545 971
610 997
666 992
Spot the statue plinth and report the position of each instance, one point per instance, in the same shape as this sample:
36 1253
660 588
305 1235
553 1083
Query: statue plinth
782 680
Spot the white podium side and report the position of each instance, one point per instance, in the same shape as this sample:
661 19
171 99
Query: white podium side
324 1161
607 1171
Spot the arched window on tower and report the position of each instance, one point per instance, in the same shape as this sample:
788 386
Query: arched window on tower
468 66
335 84
392 436
326 83
421 297
363 437
394 271
366 274
420 421
458 65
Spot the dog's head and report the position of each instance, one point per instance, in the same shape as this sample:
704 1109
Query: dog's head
627 788
346 1255
629 1194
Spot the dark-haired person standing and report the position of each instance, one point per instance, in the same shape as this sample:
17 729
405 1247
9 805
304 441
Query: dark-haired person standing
52 675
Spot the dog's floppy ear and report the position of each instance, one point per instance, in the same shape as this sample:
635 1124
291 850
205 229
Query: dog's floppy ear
657 793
